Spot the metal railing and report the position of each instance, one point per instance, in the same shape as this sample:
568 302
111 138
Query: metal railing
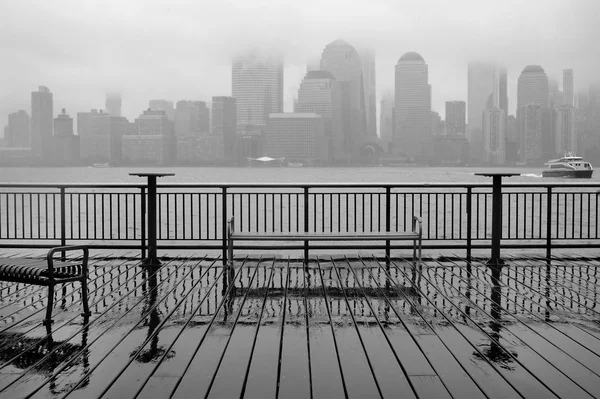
193 216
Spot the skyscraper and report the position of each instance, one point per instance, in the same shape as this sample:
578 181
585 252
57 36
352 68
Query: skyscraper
482 81
163 105
503 90
412 110
367 57
568 96
192 118
555 96
566 130
113 104
17 132
65 148
320 93
456 118
532 87
42 114
257 86
532 98
344 62
296 136
224 124
529 121
386 119
494 136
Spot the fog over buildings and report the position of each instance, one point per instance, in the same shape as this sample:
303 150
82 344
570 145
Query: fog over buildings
129 58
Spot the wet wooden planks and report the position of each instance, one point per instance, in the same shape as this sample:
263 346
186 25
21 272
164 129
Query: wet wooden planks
340 327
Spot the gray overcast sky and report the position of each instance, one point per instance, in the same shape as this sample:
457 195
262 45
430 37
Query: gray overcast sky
180 49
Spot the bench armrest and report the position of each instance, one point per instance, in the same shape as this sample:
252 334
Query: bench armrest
230 226
417 225
50 257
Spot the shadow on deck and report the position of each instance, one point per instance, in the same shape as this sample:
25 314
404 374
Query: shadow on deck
339 328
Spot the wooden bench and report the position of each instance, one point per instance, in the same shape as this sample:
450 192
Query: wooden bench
49 272
415 236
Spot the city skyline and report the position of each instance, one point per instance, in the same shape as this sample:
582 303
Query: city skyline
133 62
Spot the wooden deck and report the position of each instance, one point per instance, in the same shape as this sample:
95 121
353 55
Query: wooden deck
339 328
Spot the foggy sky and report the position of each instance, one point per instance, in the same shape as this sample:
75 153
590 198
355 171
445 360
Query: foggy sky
178 49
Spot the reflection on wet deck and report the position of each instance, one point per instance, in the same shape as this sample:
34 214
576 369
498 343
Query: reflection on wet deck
339 328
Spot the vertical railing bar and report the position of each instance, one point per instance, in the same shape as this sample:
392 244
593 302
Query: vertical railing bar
1 224
362 212
509 206
397 207
460 207
477 206
63 226
95 222
580 214
565 214
167 216
176 216
103 226
452 215
588 214
517 216
54 222
39 216
215 218
126 216
347 212
191 216
485 215
469 206
31 214
596 208
200 217
354 205
143 220
224 218
314 195
207 216
540 216
557 214
428 216
549 222
306 218
110 215
22 215
119 216
79 215
15 213
133 210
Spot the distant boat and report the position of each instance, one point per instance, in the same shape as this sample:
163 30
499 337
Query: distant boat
568 166
100 165
294 165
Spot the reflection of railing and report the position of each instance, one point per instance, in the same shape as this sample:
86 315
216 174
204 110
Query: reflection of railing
194 215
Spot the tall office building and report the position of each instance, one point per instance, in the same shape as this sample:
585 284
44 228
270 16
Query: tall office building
548 134
320 93
456 118
93 129
367 57
154 142
532 98
555 96
113 104
503 90
412 107
481 81
568 95
344 63
163 105
17 132
494 136
224 124
529 121
532 87
192 118
65 144
42 114
257 86
566 130
386 120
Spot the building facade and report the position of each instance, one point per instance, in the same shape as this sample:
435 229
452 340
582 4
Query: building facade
154 142
412 108
224 124
163 105
532 87
481 82
257 86
344 63
42 114
386 120
297 137
456 117
320 93
529 121
568 94
494 136
65 144
566 130
113 104
367 57
17 134
94 132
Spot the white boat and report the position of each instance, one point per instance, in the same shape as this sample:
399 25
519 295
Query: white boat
568 166
294 165
100 165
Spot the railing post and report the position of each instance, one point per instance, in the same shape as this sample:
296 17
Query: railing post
224 223
306 224
144 210
388 222
63 220
549 223
469 222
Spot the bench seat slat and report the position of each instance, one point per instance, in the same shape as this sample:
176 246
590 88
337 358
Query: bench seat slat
326 236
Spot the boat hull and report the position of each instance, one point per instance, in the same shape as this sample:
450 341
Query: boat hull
577 174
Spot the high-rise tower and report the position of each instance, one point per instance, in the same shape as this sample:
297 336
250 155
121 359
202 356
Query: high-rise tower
455 118
367 57
412 107
532 87
344 62
568 98
41 122
482 82
532 98
257 86
113 104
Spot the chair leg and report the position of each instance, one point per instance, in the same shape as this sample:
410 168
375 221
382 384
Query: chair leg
84 298
48 320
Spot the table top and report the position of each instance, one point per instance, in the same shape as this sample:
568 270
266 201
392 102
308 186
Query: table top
147 174
502 174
